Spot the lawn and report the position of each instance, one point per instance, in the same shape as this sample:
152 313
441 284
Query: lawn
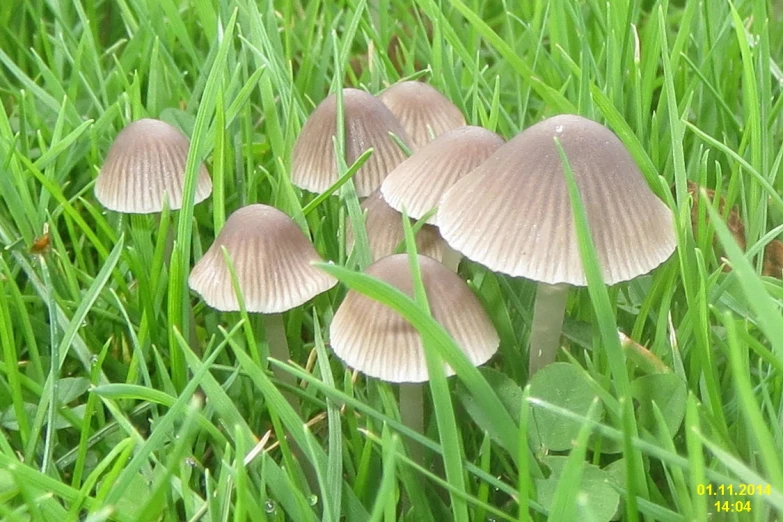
124 396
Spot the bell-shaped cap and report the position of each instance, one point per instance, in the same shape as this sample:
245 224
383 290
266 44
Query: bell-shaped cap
367 124
271 257
419 182
385 232
423 111
513 213
144 166
379 342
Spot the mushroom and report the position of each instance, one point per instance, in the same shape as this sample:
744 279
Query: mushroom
513 215
377 341
368 123
423 111
385 232
143 172
419 182
271 257
144 166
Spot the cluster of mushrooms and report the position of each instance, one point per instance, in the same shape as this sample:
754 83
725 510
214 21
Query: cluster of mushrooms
503 205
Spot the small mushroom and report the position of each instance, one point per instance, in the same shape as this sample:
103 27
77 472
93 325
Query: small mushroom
144 166
513 215
385 232
420 181
376 340
423 111
368 123
271 258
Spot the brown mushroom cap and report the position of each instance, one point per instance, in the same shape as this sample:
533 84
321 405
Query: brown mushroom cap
379 342
385 232
419 182
367 124
146 164
271 257
513 213
422 110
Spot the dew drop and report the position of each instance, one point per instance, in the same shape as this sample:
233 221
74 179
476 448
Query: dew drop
270 506
313 500
190 461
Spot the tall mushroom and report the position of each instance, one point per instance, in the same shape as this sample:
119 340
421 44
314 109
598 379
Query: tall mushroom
423 111
513 215
368 123
271 258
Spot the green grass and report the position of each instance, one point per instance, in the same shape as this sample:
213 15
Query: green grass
110 411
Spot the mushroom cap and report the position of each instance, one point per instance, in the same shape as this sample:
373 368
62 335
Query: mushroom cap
377 341
385 232
422 110
146 164
419 182
271 258
513 213
367 124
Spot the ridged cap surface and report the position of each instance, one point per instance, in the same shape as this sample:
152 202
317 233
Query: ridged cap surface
420 181
147 161
385 233
377 341
271 257
422 110
367 124
513 213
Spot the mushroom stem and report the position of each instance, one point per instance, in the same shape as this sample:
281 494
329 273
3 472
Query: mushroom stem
547 325
412 415
278 349
451 258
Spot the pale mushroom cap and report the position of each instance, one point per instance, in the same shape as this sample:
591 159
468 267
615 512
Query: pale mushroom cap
146 164
422 110
367 124
379 342
420 181
513 213
271 258
385 232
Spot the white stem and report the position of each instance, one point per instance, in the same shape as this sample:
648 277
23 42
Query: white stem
451 258
548 316
278 349
412 415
